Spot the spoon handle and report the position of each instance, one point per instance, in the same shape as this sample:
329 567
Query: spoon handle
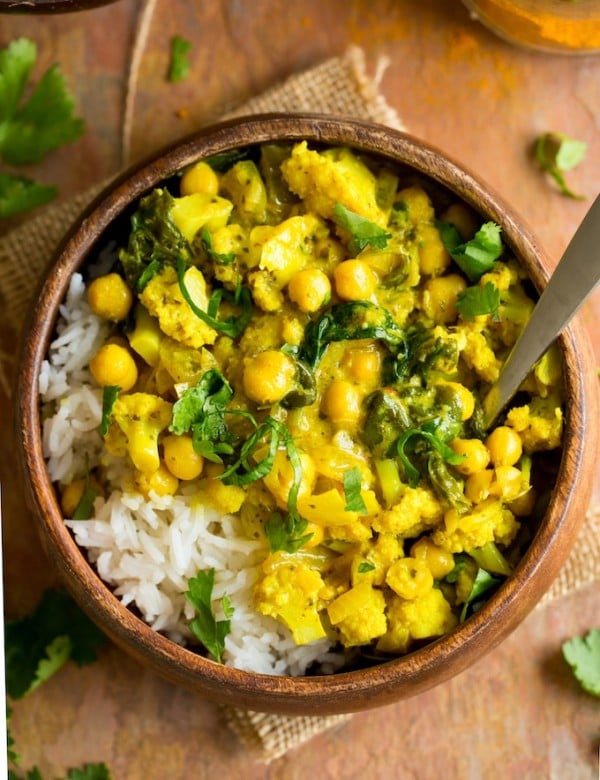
575 277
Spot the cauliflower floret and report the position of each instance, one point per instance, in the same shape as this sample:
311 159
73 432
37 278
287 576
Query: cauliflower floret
136 423
417 510
359 614
425 617
323 179
288 590
539 424
163 299
476 351
489 521
375 558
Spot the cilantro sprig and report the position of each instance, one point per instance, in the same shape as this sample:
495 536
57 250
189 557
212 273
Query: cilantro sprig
179 65
33 122
352 486
476 300
476 256
205 626
556 154
363 232
582 653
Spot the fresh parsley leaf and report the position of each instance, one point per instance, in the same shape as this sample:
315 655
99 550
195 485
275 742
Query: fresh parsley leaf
483 586
556 153
479 300
17 193
218 257
110 393
582 653
33 651
352 485
365 566
364 232
474 257
31 128
180 65
205 627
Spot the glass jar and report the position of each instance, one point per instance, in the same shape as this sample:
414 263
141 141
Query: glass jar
557 26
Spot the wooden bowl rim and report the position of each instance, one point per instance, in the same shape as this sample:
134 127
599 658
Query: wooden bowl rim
347 691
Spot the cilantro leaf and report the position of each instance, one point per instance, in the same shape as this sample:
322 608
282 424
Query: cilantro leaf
180 65
286 532
201 410
110 393
18 193
483 586
556 153
205 627
36 644
31 128
582 653
365 566
474 257
352 484
364 232
478 300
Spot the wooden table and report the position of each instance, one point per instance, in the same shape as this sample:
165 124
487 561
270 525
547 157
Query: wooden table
518 713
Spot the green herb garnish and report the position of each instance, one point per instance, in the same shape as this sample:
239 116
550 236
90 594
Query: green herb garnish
406 444
205 626
233 325
110 393
364 232
37 646
352 485
179 66
30 128
483 585
477 256
556 153
201 409
475 301
582 653
220 258
365 566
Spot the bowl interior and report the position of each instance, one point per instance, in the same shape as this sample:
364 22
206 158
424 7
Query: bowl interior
362 688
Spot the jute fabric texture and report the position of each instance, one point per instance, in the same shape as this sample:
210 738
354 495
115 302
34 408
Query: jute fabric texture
339 86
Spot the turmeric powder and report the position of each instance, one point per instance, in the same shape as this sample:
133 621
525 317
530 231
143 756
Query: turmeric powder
551 25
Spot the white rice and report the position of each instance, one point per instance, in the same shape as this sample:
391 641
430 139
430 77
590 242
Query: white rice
148 549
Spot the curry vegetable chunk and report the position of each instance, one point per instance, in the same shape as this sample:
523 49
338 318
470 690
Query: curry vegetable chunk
311 333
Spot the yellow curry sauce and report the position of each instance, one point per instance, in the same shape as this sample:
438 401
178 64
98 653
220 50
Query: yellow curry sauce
305 335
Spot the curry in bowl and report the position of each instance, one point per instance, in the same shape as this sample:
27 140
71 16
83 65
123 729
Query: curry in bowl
263 410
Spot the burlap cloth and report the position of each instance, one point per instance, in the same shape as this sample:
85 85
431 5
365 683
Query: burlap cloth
339 86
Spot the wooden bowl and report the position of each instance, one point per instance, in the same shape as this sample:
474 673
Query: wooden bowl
352 690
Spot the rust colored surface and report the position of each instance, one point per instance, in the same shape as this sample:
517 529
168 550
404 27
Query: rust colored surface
517 713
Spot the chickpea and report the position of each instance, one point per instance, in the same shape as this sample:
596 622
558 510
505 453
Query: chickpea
439 561
409 578
181 458
504 445
362 365
114 365
199 178
507 482
109 297
524 504
354 280
161 482
464 396
478 485
440 295
433 255
269 376
309 289
476 455
341 403
463 219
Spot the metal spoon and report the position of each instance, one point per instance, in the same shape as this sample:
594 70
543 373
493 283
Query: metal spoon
574 279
